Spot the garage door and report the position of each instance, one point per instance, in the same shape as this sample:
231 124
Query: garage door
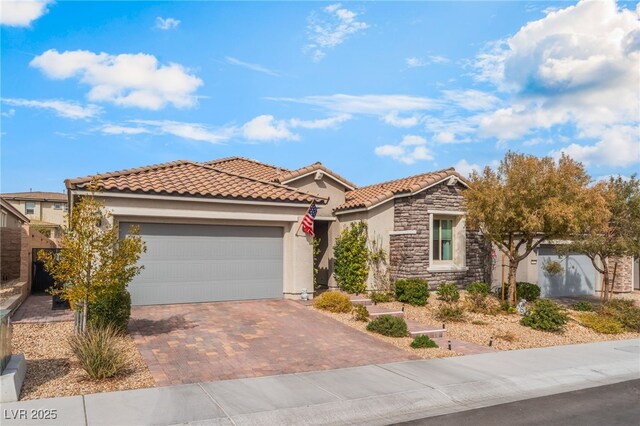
578 276
204 263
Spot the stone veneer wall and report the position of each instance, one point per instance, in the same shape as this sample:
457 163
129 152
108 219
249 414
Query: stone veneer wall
409 254
624 274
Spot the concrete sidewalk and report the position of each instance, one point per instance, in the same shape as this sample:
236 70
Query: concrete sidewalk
372 395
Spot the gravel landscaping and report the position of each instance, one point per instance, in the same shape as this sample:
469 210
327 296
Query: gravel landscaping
52 370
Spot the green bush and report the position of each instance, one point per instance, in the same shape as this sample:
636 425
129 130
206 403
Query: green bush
479 288
351 255
380 297
545 315
388 325
360 313
423 342
100 351
583 305
333 301
448 292
448 312
110 308
624 311
600 323
414 291
528 291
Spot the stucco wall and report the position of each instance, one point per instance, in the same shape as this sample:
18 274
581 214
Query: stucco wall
44 211
327 187
410 252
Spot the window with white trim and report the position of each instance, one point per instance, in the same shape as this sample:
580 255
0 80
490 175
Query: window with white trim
30 207
57 206
442 236
447 241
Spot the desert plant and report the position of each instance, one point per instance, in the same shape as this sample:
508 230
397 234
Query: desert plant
478 297
360 313
388 325
600 323
552 267
448 292
333 301
528 291
380 297
507 336
582 305
111 307
100 351
351 267
450 312
624 311
479 287
414 291
423 342
479 322
545 315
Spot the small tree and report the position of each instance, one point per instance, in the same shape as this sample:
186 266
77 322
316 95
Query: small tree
351 255
93 260
527 201
615 234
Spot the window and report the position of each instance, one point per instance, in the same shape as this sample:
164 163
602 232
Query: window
57 206
30 207
442 239
3 220
66 207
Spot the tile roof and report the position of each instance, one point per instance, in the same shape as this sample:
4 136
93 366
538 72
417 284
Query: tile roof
194 179
36 195
311 168
371 195
250 168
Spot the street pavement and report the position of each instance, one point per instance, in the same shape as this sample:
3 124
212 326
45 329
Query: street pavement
373 395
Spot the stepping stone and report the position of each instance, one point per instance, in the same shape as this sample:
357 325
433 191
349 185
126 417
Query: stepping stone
376 311
360 300
416 329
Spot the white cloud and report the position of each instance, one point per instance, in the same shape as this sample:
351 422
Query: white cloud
472 100
412 148
166 23
267 128
130 80
367 104
438 59
9 113
331 28
111 129
192 131
21 13
414 62
254 67
66 109
395 120
465 168
324 123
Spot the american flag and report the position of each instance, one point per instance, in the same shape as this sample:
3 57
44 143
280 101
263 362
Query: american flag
307 221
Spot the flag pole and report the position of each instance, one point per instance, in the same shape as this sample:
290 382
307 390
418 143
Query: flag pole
303 216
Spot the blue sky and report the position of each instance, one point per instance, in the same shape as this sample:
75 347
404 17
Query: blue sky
375 91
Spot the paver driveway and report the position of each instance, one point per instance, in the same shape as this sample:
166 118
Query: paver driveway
199 342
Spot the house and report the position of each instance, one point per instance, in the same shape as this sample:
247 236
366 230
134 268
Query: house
229 229
45 210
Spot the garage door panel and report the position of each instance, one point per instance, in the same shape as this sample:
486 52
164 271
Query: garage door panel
199 263
578 276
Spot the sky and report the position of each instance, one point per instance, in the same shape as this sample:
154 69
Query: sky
373 90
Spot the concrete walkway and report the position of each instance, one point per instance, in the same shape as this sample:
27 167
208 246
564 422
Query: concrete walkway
372 395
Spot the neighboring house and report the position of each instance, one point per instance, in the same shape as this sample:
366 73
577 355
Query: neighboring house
45 210
11 236
229 229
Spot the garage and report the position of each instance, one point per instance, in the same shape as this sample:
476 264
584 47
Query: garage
187 263
578 276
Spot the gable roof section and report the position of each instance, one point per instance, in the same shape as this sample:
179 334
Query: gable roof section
9 208
372 195
250 168
188 178
304 171
36 196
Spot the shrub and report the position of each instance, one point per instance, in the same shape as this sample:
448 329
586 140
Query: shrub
111 308
479 288
100 351
360 313
414 291
388 325
545 315
600 323
624 311
380 297
450 313
423 342
351 254
583 305
528 291
479 322
507 336
448 292
333 301
507 308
